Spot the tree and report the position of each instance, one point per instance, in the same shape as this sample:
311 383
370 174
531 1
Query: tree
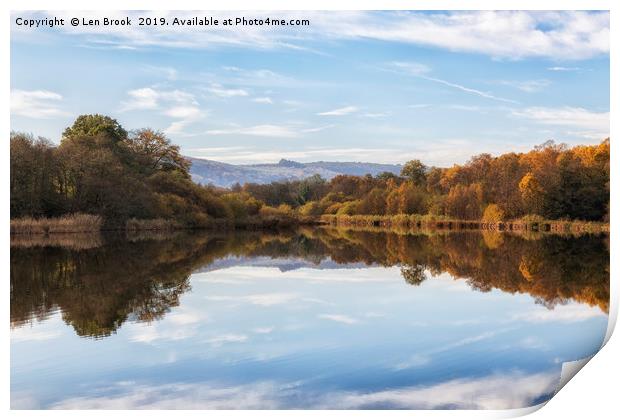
155 152
464 201
93 125
532 194
415 171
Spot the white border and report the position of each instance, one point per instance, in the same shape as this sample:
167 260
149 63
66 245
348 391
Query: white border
593 394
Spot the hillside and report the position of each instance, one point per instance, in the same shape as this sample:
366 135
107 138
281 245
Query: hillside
222 174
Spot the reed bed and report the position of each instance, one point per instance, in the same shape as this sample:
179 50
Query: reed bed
71 223
74 241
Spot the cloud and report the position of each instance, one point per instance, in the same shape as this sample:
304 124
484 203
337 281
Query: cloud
36 104
23 333
183 112
343 319
560 68
494 392
466 89
568 117
264 130
375 114
219 90
263 330
266 299
340 111
423 72
563 35
177 104
220 340
263 100
149 98
572 312
528 86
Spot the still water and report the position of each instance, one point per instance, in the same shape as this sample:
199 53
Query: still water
315 318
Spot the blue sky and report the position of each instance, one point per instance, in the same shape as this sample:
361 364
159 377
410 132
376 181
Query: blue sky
361 86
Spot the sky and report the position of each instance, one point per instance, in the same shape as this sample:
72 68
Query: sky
381 87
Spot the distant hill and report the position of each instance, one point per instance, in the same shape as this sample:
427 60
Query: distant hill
222 174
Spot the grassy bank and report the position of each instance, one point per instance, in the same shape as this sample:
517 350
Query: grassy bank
403 221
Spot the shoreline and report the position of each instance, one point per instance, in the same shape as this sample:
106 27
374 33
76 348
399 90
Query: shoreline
75 224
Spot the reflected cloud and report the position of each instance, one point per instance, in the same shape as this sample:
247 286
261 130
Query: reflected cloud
264 299
571 312
227 338
494 392
344 319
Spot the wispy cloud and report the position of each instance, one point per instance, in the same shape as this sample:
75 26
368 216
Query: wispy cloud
36 104
423 71
263 100
264 130
343 319
528 86
567 35
572 312
568 117
220 340
265 299
494 392
466 89
220 91
339 111
177 104
560 68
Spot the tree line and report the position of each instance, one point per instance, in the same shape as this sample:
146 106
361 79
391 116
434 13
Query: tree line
100 168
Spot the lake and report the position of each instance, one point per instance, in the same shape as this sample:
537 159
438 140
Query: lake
311 318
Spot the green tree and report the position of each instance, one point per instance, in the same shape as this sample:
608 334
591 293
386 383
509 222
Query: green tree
415 171
93 125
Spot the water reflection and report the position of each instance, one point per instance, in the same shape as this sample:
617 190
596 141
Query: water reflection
99 288
315 318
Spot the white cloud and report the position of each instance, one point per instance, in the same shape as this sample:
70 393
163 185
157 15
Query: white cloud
560 68
263 100
263 330
572 312
24 333
219 90
177 104
265 299
494 392
564 35
220 340
375 114
340 111
183 112
264 130
568 117
150 98
528 86
466 89
36 104
343 319
423 72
